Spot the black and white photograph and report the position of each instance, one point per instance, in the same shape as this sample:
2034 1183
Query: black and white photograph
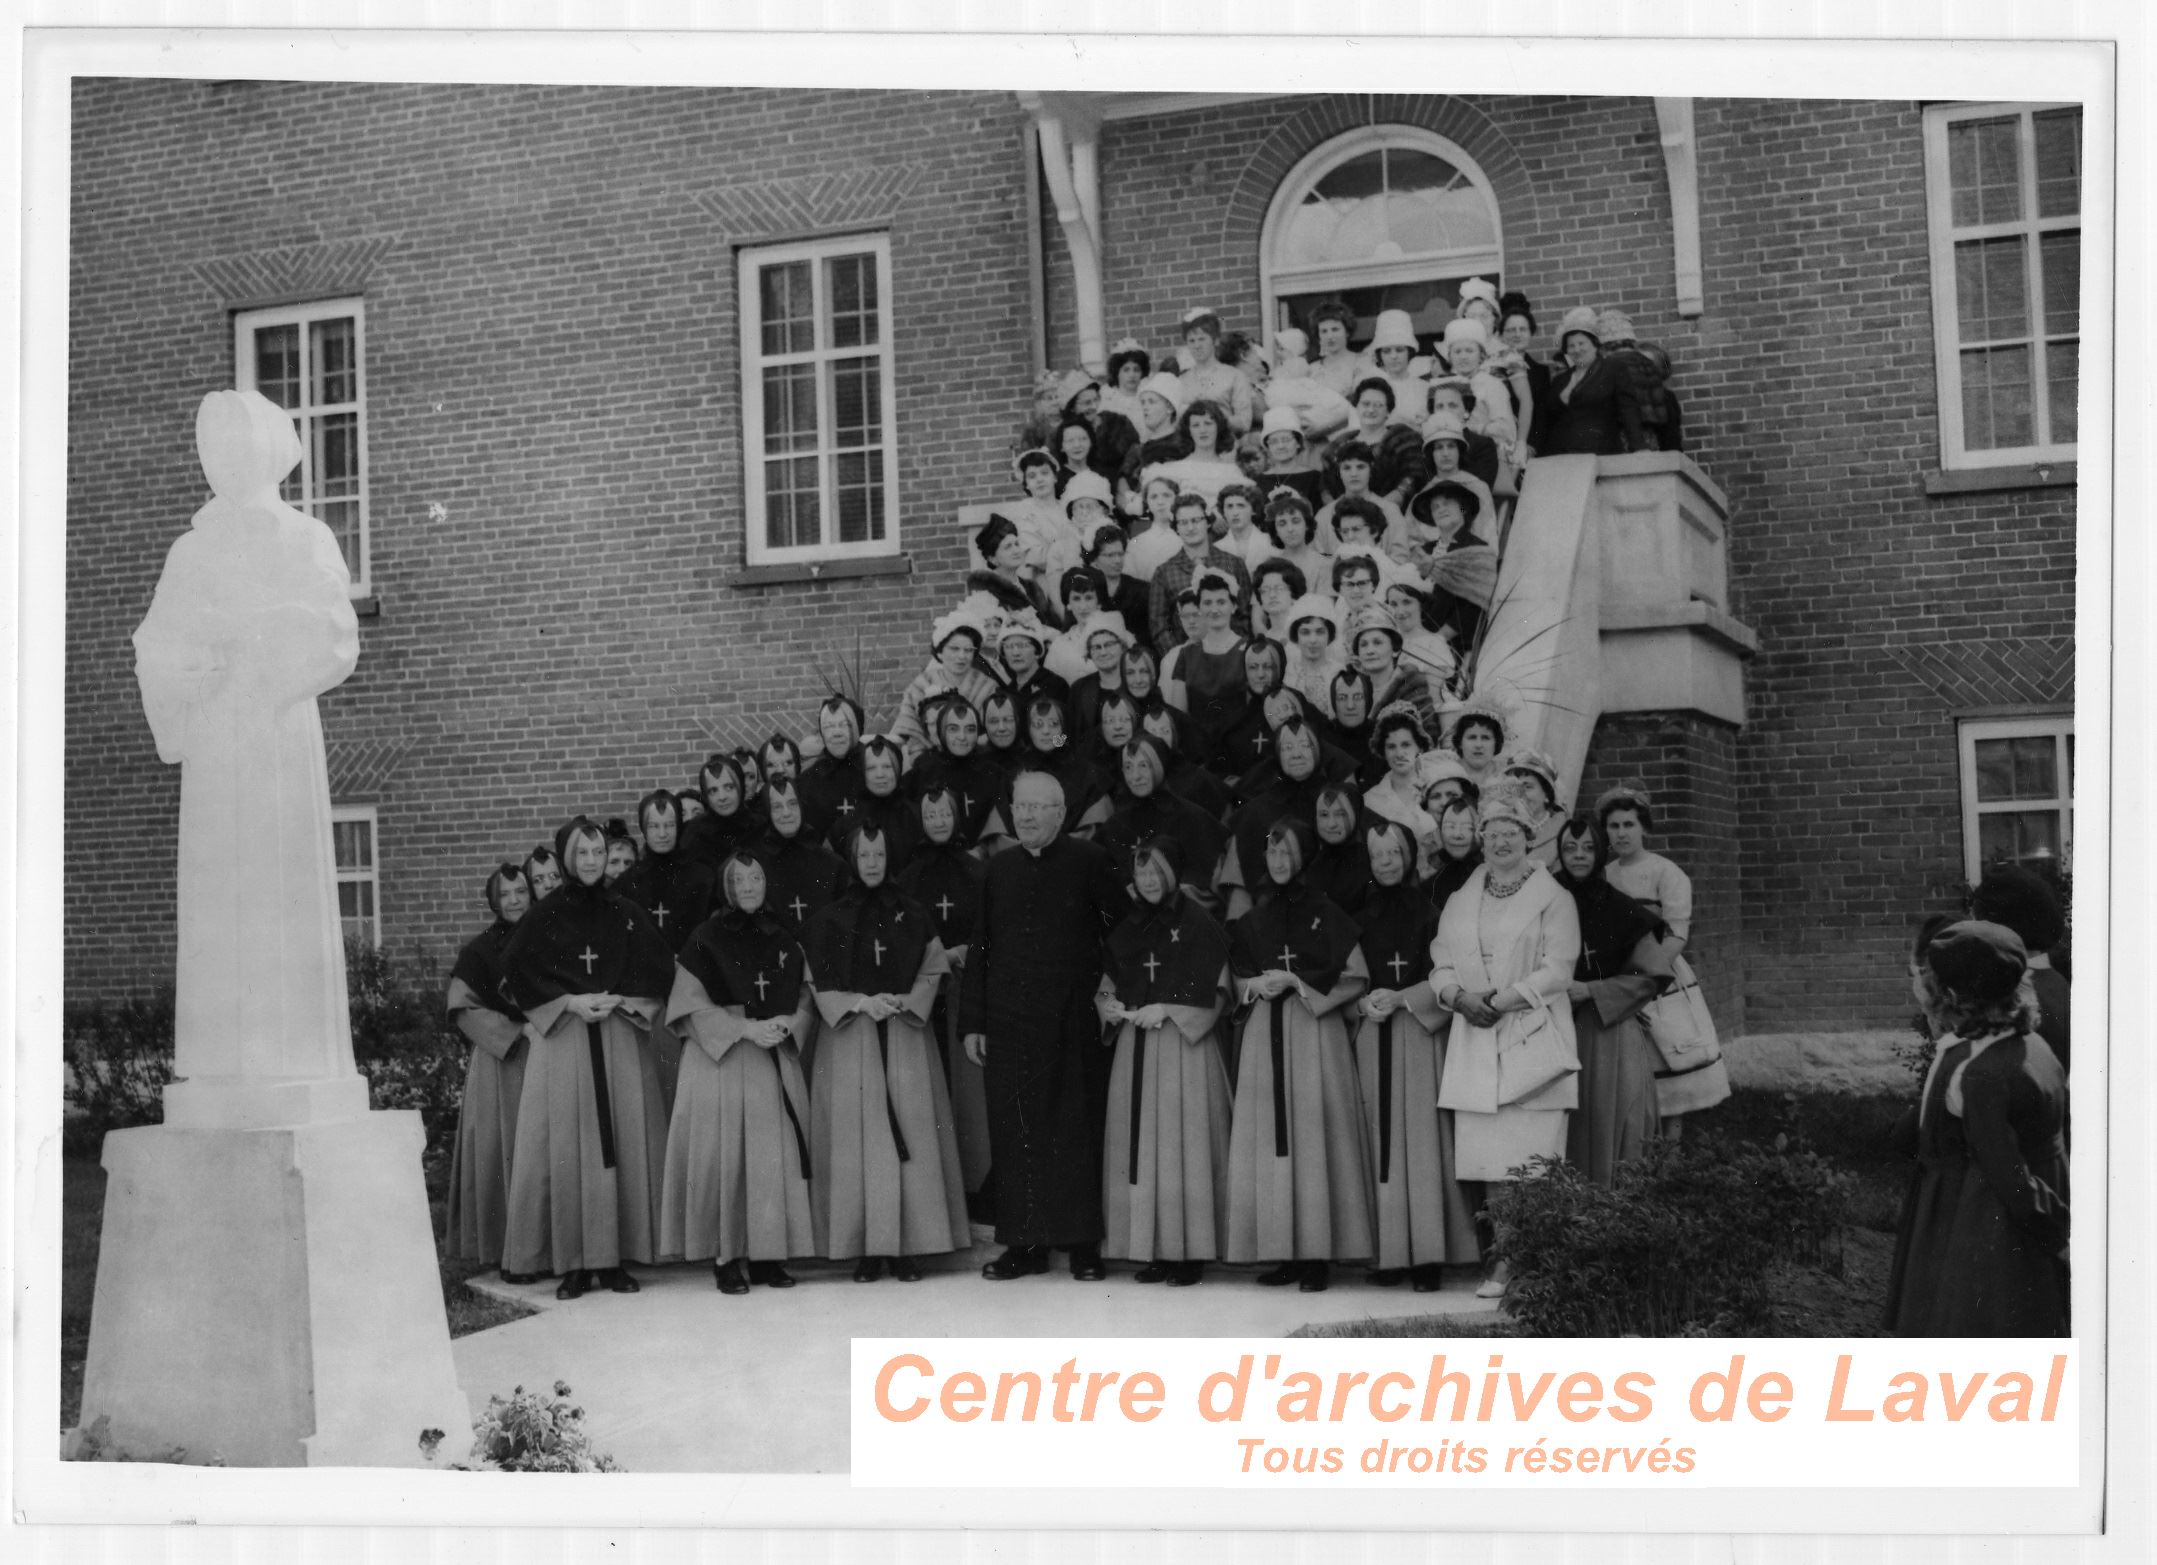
704 719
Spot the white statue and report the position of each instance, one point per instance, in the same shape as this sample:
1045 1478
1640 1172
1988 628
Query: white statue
252 620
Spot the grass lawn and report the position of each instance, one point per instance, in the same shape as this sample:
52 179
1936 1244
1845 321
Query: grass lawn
82 1213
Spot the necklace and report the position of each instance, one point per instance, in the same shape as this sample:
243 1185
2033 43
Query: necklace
1492 888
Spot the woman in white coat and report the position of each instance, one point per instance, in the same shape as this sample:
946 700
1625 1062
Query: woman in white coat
1507 944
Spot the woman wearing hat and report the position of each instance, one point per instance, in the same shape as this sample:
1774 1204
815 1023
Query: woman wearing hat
1007 578
590 971
1298 403
1112 434
1537 775
1627 816
1299 1173
1164 1195
493 1079
887 1186
1026 674
1160 438
1129 365
1103 639
1507 945
1209 380
1422 1216
1467 352
1622 967
1592 409
1415 611
1208 462
2026 903
1049 542
1402 742
1089 505
1314 652
1338 366
1982 1249
1395 448
1478 738
1392 349
1375 642
955 644
1107 550
738 1164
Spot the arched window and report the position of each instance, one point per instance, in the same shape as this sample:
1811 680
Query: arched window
1384 218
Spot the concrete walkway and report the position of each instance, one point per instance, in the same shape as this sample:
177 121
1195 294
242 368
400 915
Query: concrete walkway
681 1378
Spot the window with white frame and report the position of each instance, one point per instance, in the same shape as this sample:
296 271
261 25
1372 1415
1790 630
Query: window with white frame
358 905
310 358
2003 189
2018 793
818 413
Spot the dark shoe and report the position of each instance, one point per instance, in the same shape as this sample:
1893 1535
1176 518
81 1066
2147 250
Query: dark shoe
1018 1261
574 1285
731 1277
1388 1276
1158 1271
522 1279
1427 1279
1184 1273
619 1281
1313 1279
1282 1275
1086 1264
906 1269
869 1268
771 1274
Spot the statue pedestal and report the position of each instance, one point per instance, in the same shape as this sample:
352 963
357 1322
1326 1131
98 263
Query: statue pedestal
269 1297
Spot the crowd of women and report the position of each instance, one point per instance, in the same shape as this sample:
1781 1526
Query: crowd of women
1191 905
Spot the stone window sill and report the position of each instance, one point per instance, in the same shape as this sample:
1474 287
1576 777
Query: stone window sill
821 570
369 607
1986 480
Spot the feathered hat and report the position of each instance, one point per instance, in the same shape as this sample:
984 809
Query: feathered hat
1506 800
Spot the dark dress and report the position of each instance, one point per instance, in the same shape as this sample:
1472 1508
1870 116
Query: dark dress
1029 988
1130 598
1983 1244
1214 688
1602 418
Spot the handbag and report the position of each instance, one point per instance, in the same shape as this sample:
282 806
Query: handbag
1531 1053
1678 1024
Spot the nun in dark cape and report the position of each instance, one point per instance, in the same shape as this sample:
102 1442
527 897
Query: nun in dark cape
738 1163
1622 967
801 875
889 1187
493 1078
1340 871
946 879
1164 1186
882 803
731 819
1424 1219
1299 1170
590 970
1145 809
958 759
831 782
667 882
1243 870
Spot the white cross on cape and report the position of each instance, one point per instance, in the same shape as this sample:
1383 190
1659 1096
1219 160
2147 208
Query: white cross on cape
589 958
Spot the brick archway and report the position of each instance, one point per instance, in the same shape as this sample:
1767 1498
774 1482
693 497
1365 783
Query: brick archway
1321 120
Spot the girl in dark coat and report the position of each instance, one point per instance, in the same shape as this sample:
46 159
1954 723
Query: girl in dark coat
1982 1250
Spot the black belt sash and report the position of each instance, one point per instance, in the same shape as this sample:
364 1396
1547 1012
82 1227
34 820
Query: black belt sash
602 1097
883 1055
801 1141
1385 1100
1277 1005
1138 1093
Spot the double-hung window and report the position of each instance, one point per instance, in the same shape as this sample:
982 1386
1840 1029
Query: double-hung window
2018 793
310 359
818 413
353 849
2004 200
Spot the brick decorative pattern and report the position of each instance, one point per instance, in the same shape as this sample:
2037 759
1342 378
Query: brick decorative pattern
360 770
552 360
294 274
818 203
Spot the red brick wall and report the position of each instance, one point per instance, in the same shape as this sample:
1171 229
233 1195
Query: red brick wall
550 357
1809 395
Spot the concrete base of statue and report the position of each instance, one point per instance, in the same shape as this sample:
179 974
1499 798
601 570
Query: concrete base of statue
268 1296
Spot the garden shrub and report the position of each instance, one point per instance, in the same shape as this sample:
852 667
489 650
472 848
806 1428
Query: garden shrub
527 1432
118 1058
1680 1245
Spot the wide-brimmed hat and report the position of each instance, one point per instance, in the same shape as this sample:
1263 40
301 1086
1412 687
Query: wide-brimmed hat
1088 485
1978 961
1581 318
1281 421
1126 350
1396 329
1476 288
1471 503
1167 387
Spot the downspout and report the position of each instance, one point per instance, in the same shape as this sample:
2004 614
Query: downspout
1036 263
1071 171
1681 161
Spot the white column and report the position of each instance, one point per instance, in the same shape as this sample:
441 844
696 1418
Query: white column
1681 161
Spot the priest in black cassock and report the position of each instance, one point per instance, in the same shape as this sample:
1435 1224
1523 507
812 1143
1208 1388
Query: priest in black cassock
1026 1011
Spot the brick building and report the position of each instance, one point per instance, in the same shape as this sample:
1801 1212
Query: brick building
529 327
